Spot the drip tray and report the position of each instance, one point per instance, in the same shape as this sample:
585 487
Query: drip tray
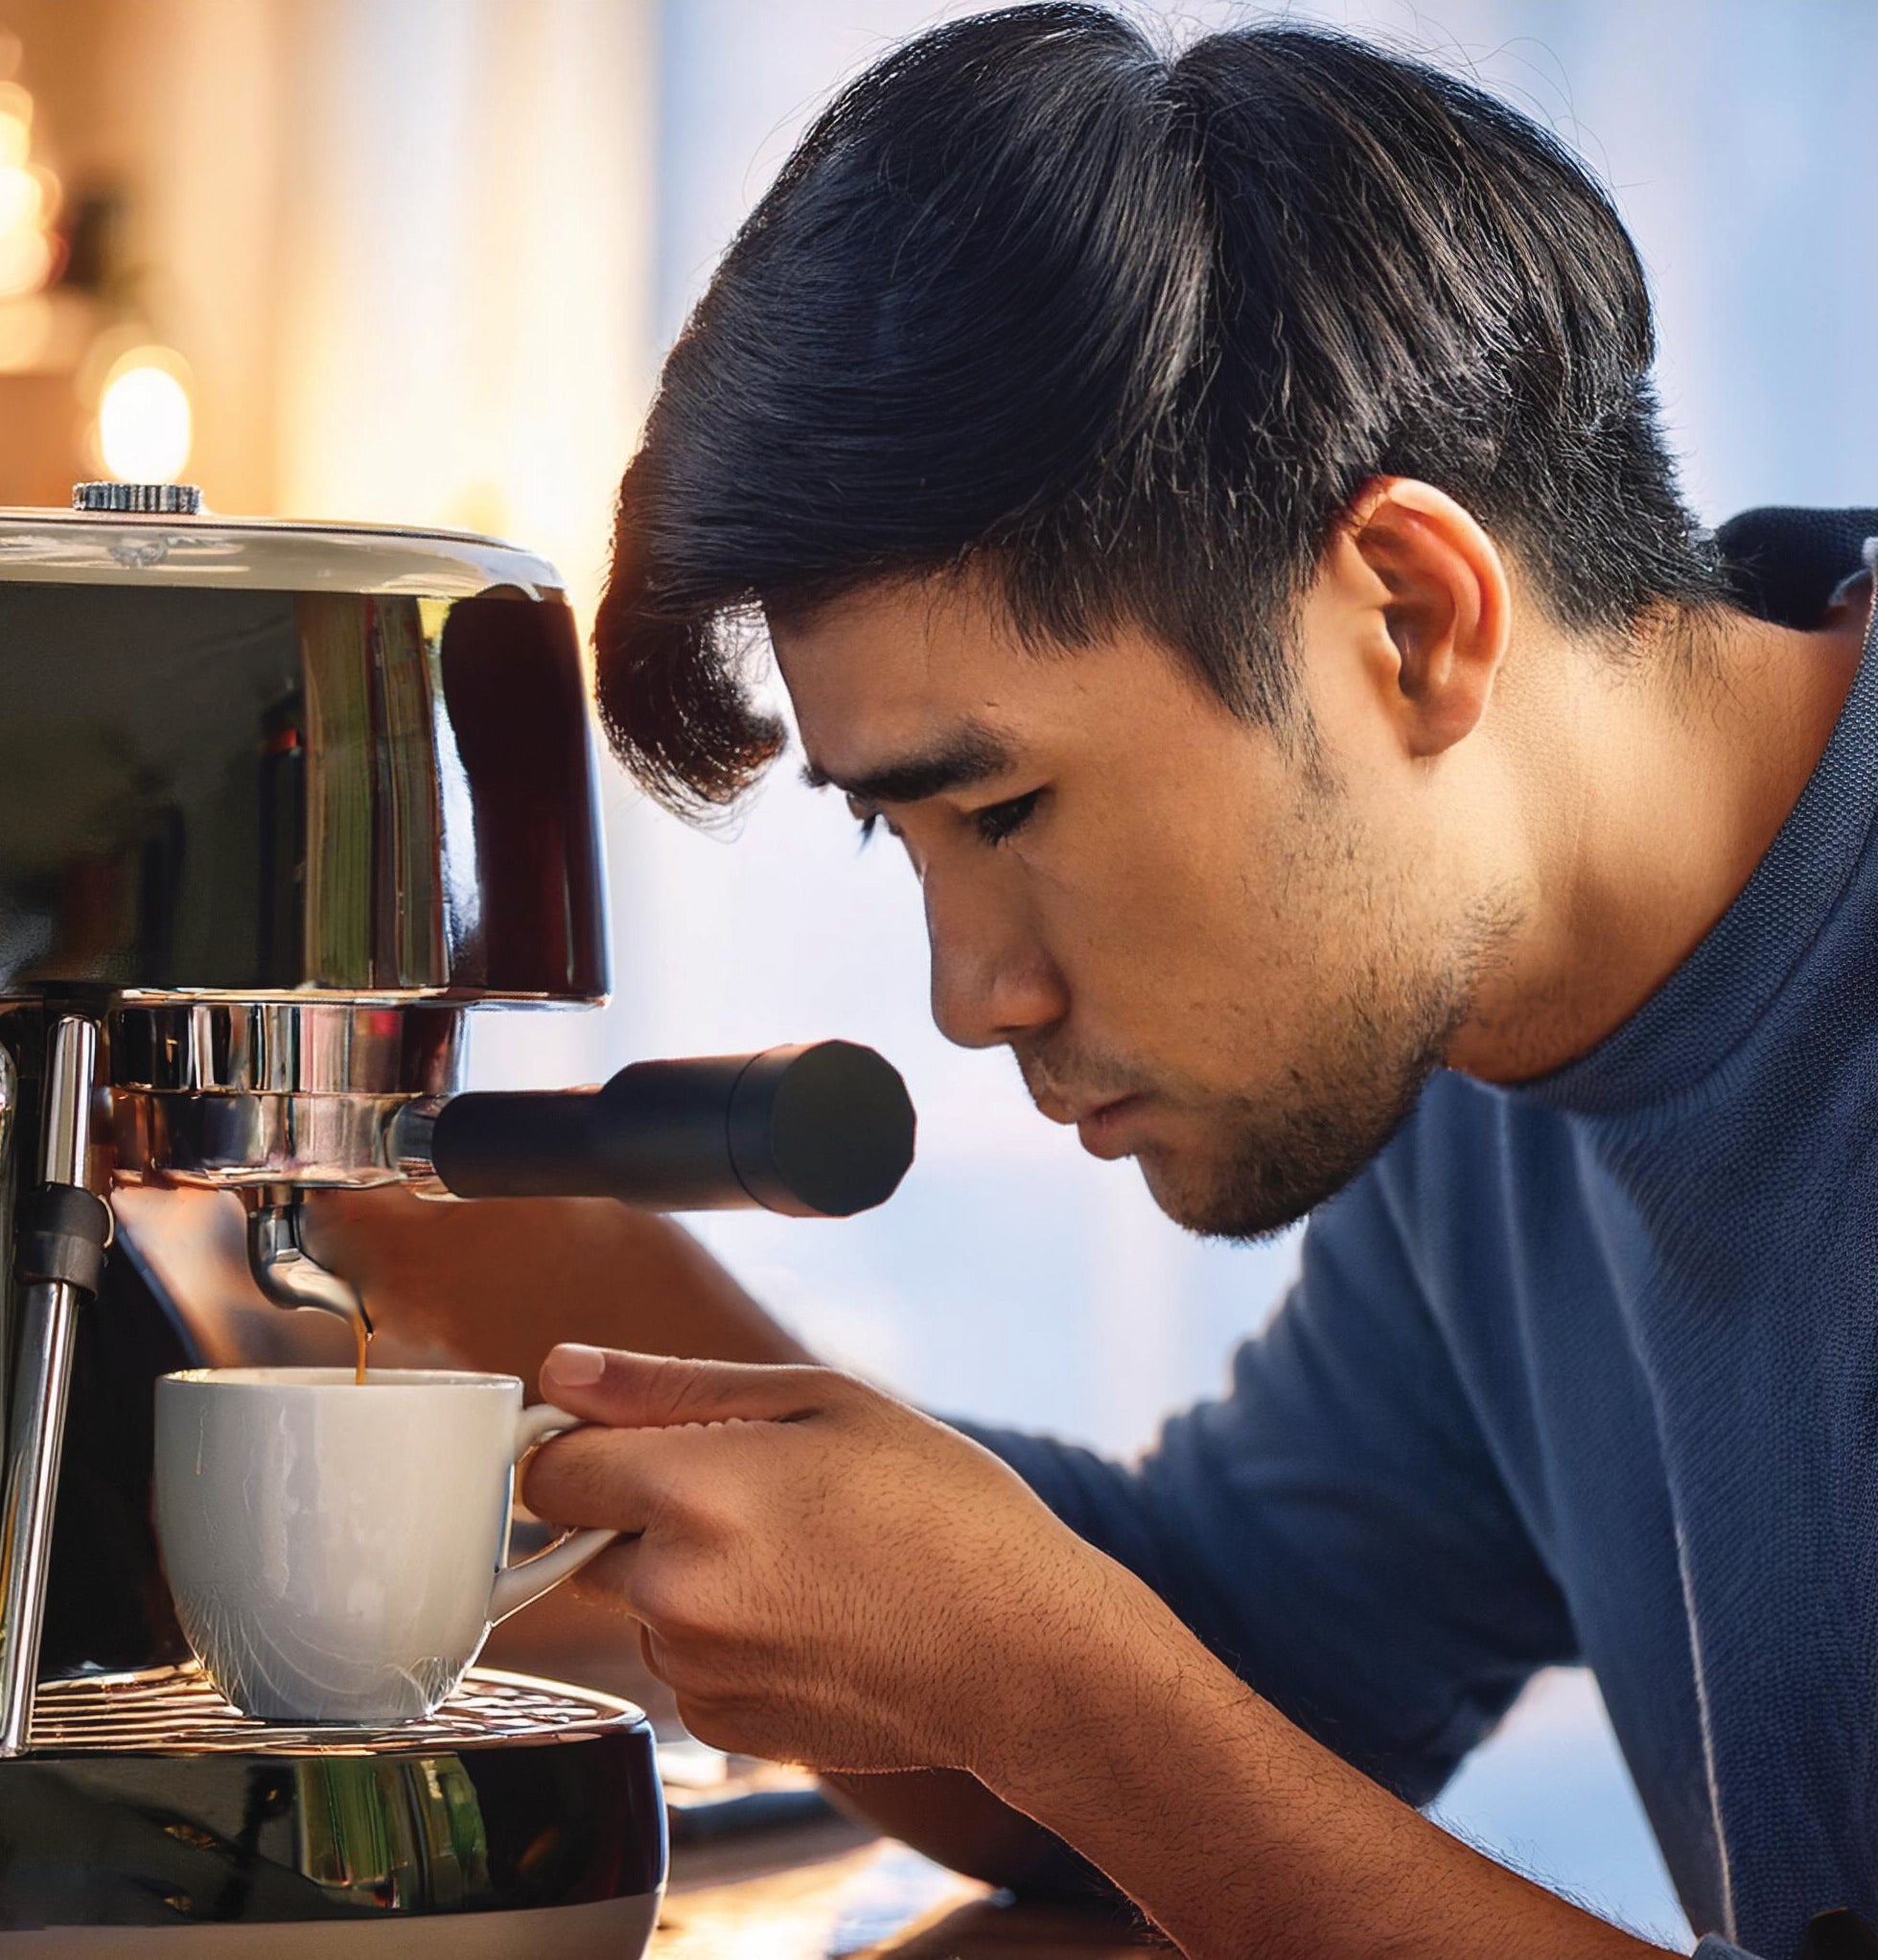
525 1816
179 1711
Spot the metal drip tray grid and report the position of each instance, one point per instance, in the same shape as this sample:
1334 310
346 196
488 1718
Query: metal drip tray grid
149 1818
178 1711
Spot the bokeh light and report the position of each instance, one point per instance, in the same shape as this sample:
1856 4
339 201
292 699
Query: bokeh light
30 197
27 257
146 423
22 198
15 123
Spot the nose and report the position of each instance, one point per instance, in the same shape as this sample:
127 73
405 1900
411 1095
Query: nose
993 978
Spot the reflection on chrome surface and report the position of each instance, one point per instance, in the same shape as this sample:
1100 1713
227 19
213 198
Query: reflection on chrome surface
516 1795
256 1093
278 802
254 794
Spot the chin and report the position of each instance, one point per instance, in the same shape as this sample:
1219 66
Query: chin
1191 1191
1247 1197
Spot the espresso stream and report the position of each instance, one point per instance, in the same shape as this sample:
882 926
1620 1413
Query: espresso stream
362 1336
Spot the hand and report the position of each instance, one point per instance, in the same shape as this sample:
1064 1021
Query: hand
826 1576
822 1574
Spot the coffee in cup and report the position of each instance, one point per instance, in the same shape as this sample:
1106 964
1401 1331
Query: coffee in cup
337 1553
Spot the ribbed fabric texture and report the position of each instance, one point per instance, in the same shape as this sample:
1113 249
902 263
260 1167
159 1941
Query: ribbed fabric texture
1590 1371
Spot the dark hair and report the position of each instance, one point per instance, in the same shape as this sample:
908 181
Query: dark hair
1129 332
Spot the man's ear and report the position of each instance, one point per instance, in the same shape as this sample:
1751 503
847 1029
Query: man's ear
1433 589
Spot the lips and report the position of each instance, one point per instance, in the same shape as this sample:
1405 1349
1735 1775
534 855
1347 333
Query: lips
1103 1129
1099 1120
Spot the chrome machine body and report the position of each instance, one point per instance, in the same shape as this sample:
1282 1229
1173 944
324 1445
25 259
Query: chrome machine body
279 804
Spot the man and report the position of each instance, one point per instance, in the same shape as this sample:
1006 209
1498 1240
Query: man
1212 512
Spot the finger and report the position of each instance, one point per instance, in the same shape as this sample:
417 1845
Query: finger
657 1391
607 1582
612 1478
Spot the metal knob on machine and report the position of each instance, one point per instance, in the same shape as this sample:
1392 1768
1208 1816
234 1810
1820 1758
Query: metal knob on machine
139 500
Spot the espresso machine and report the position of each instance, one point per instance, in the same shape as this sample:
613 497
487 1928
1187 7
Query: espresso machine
280 803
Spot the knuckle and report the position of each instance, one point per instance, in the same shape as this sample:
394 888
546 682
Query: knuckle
700 1719
685 1386
661 1598
832 1385
677 1393
720 1723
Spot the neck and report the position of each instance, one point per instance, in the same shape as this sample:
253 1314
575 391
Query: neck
1658 787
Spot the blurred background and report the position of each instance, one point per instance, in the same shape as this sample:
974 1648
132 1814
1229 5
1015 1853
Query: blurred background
416 260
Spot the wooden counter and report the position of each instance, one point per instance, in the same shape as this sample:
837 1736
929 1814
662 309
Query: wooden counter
832 1891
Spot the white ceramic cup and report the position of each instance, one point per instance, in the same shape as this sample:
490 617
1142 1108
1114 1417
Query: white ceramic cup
337 1553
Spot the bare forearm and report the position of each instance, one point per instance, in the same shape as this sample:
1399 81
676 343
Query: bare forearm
499 1282
1238 1835
1227 1826
952 1817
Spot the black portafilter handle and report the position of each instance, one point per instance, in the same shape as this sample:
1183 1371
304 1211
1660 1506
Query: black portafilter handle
819 1131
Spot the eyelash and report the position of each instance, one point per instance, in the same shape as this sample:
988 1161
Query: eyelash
999 821
995 824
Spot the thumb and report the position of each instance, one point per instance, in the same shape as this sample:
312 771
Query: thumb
657 1391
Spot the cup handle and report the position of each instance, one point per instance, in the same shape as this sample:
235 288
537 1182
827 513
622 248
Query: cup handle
528 1578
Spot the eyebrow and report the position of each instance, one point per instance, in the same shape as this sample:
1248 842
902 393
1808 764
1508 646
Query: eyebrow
971 754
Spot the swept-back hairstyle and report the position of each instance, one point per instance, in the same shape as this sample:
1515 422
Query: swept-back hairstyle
1128 334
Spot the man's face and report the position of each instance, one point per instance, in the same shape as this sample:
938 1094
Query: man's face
1231 955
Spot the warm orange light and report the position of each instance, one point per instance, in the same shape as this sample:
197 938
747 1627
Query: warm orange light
26 262
22 198
16 106
26 327
28 198
145 421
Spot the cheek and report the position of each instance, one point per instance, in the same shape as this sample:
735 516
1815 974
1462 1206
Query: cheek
1213 957
1188 918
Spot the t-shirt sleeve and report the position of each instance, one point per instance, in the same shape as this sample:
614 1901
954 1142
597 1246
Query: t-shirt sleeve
1335 1529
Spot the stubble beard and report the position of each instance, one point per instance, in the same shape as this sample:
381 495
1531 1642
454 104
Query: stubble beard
1277 1157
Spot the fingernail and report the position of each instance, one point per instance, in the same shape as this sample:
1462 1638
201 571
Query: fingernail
575 1364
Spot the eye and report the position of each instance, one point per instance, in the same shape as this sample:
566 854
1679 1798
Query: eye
998 821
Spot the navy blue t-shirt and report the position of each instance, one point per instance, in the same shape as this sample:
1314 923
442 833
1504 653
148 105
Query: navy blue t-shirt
1588 1372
